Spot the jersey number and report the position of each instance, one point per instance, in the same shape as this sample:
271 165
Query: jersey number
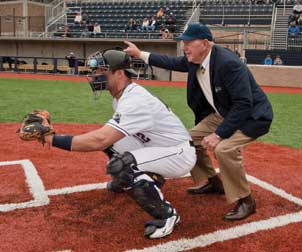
142 137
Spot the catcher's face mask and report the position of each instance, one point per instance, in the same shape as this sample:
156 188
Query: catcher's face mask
97 79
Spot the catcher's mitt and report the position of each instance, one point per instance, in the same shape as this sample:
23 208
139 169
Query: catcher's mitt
35 126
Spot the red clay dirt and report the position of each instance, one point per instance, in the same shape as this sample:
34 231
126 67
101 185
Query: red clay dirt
267 89
100 221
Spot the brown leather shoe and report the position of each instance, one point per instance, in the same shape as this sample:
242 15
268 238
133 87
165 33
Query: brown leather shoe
213 186
244 208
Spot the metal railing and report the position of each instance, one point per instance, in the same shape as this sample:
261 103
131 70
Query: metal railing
55 13
248 16
194 17
101 35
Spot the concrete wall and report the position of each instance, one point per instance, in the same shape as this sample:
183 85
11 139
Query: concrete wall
81 47
36 13
15 20
279 76
9 24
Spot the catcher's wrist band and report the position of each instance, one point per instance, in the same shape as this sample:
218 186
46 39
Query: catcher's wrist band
62 142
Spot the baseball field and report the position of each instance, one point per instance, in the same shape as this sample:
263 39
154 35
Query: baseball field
54 201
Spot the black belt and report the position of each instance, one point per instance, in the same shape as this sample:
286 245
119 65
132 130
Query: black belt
192 143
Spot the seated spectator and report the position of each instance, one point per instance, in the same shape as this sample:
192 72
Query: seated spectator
85 33
278 60
297 8
145 25
60 32
78 18
153 24
96 28
299 21
66 32
293 29
131 25
268 60
85 19
90 27
160 12
170 22
292 18
166 34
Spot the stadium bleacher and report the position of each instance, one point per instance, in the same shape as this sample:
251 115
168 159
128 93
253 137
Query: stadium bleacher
113 16
240 12
290 58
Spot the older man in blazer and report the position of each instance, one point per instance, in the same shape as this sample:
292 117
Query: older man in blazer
230 111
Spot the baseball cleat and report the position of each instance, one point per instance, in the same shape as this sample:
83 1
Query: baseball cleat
160 228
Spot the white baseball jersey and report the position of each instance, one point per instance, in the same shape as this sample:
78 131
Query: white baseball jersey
154 134
140 114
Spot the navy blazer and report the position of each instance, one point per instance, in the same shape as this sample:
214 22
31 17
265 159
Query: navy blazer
237 96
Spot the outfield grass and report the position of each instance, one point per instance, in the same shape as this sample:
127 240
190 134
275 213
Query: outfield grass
72 102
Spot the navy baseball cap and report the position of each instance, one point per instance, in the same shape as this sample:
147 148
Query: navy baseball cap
196 31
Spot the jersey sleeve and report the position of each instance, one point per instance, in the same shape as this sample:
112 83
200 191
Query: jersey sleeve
131 118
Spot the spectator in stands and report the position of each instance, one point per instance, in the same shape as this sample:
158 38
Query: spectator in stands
299 21
85 19
170 22
90 27
96 28
72 61
61 32
131 25
145 25
268 60
66 32
166 34
160 12
153 23
293 18
85 32
278 60
78 18
297 8
293 29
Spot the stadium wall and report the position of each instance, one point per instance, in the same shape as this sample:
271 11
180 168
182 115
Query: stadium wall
59 48
278 76
16 17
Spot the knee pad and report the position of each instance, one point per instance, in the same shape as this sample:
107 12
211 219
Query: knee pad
121 167
121 162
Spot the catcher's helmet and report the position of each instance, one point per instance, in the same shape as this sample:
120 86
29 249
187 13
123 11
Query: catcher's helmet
109 60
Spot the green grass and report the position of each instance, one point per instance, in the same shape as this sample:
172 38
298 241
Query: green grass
72 102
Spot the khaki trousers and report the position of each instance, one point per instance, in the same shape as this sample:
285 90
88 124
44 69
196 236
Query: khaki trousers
228 154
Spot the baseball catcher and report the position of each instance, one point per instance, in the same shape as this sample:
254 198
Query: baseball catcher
144 140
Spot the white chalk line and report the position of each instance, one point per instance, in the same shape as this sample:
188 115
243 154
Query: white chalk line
223 235
34 183
235 232
76 189
40 193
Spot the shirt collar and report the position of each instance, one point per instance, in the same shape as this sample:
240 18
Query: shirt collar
206 61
